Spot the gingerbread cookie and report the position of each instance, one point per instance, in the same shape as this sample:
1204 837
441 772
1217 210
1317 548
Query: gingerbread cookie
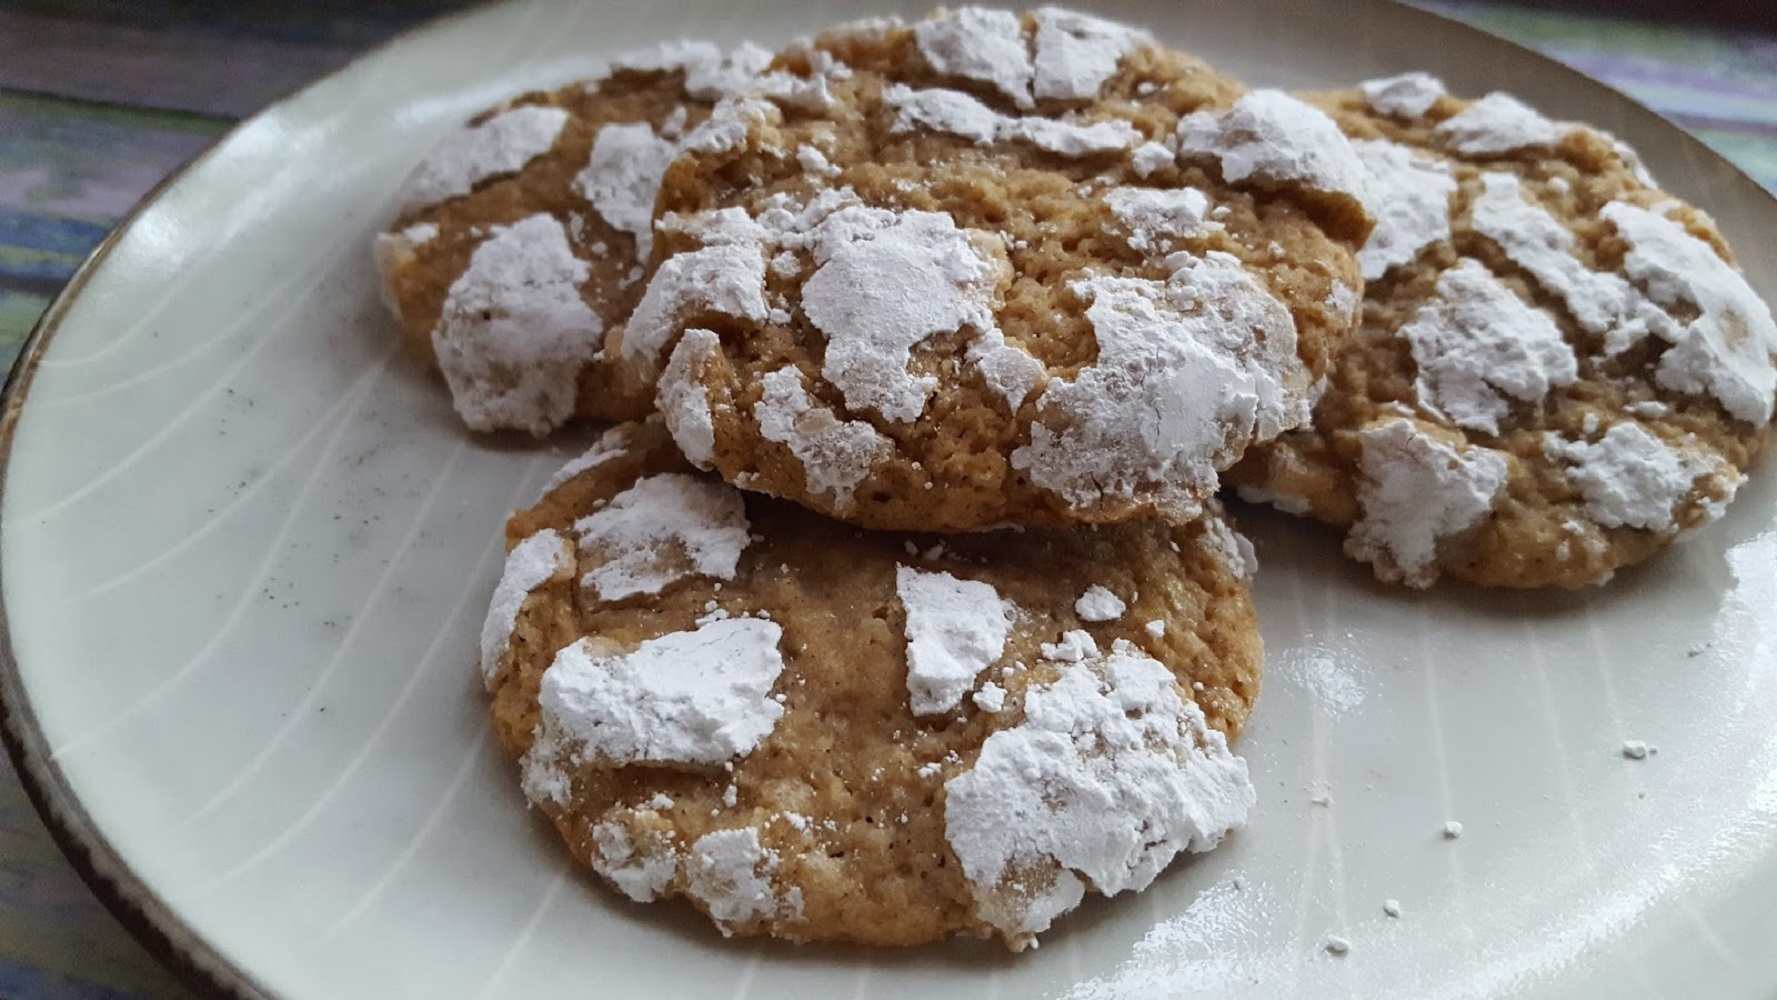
987 268
822 733
1560 369
523 240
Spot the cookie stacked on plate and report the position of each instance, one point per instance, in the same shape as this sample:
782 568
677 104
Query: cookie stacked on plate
904 607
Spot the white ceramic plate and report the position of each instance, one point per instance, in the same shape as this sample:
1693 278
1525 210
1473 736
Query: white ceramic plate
246 548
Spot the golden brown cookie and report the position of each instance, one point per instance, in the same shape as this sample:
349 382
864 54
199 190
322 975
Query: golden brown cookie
988 269
522 241
822 733
1560 369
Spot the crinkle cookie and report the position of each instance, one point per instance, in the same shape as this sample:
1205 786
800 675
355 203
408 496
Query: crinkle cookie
1560 369
821 733
522 241
989 269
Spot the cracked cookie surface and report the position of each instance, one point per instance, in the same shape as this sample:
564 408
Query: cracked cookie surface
822 733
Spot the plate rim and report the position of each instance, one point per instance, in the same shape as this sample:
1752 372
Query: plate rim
189 956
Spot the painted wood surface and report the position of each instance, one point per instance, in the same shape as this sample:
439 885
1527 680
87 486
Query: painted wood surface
101 99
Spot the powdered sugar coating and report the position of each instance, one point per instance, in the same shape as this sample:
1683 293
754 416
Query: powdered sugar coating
1630 478
1729 349
955 629
641 871
1601 301
1409 95
501 145
1235 549
1499 123
699 697
622 179
1109 777
1410 200
1077 53
1270 136
641 865
531 563
684 402
514 330
661 530
979 44
1478 346
729 872
728 279
1188 371
835 454
1099 604
1157 216
885 281
1414 491
610 445
711 73
957 113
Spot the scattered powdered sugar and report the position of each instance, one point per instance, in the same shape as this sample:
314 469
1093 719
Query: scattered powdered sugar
622 179
1630 478
836 455
1476 344
514 331
957 113
699 697
1189 371
1076 54
725 278
1154 216
683 401
1415 490
1109 777
729 872
884 282
1410 200
1499 123
611 444
1601 301
1270 136
1729 350
531 563
1156 628
1452 829
1409 95
659 531
955 629
501 145
1391 907
1098 604
643 870
1337 945
979 44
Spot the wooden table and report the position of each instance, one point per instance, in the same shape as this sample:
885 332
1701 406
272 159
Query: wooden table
101 99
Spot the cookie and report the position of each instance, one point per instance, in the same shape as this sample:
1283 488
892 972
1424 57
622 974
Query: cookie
522 241
817 732
989 269
1560 369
